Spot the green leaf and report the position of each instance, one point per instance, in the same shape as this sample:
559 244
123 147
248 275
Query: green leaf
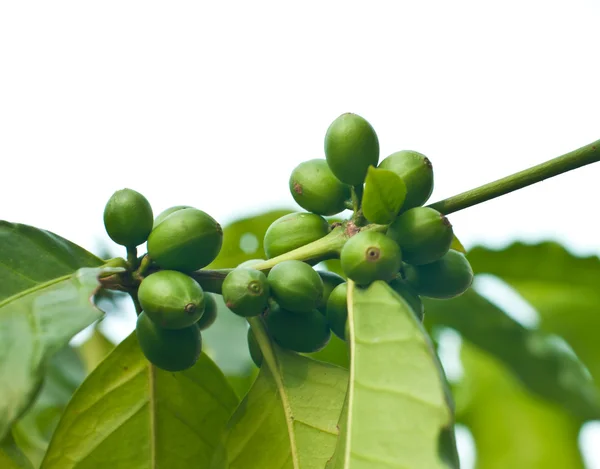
383 196
11 456
288 419
33 325
130 415
33 431
397 402
563 288
513 428
30 257
243 239
543 367
95 349
335 352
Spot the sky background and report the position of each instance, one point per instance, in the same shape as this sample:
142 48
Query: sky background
212 104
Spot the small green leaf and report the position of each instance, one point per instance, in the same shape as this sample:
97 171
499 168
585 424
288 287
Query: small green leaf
129 414
30 256
544 368
34 429
11 456
33 325
397 402
288 418
383 196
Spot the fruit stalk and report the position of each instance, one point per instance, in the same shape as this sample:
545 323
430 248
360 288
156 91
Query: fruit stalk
567 162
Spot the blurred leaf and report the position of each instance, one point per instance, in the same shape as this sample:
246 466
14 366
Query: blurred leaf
129 414
543 367
383 196
11 456
511 427
34 325
288 419
563 288
335 352
95 349
243 239
30 257
33 431
397 403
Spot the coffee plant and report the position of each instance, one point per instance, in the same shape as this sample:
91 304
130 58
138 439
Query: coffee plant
341 318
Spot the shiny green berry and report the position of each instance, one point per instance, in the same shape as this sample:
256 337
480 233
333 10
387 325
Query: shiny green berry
296 286
293 231
330 281
128 218
165 213
416 171
171 299
337 310
254 348
369 256
410 296
210 312
423 234
447 277
303 333
168 349
186 240
351 146
317 190
246 291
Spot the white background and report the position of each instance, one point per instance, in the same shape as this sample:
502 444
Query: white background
212 104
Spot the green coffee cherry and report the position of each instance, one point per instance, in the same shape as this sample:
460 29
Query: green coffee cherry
210 312
351 146
165 213
168 349
410 296
172 300
296 286
424 235
447 277
246 291
293 231
316 189
128 218
254 348
303 333
330 281
337 310
186 240
416 171
369 256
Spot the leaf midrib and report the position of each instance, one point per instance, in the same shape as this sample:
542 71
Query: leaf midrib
269 356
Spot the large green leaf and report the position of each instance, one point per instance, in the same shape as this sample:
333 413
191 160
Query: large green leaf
130 415
563 288
397 403
30 257
383 196
512 427
11 456
543 367
33 431
288 419
33 325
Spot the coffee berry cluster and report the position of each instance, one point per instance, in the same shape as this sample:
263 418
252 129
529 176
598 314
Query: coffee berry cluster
299 306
